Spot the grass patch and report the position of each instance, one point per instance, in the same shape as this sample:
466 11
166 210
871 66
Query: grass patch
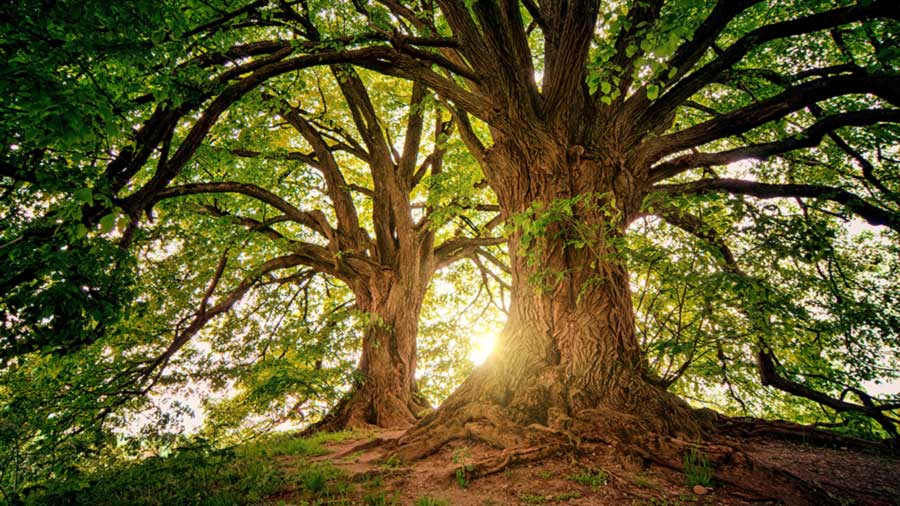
380 498
392 462
431 501
642 480
289 444
199 474
697 468
544 499
461 456
324 481
594 478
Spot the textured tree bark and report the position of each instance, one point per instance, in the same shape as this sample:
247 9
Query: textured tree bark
385 394
568 361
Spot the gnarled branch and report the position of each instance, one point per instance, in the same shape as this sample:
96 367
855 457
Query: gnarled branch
808 138
871 213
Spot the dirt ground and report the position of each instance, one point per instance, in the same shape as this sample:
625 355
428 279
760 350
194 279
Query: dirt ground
796 474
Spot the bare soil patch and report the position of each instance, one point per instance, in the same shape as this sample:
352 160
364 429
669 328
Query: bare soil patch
594 474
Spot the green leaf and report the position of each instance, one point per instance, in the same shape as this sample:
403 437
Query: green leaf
652 91
84 196
108 222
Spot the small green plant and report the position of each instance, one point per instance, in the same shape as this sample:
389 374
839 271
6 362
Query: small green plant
460 455
314 480
340 488
379 498
697 468
391 462
376 482
642 480
533 499
566 496
462 475
590 477
431 501
353 457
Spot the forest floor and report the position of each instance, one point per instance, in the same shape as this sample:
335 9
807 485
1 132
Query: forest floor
591 475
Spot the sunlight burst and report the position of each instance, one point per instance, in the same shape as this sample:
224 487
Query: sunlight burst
482 345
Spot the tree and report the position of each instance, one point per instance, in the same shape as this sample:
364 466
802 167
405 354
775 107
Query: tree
387 270
574 158
585 118
387 260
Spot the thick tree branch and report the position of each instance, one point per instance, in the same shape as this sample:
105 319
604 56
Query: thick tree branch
752 116
872 214
689 53
504 34
567 41
808 138
694 82
378 56
338 191
413 136
535 12
314 220
768 372
471 43
348 265
456 249
390 211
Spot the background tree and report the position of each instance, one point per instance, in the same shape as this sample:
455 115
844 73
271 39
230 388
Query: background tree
387 267
386 256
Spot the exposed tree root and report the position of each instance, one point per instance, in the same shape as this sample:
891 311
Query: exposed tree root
528 410
505 459
636 447
752 427
363 409
480 422
367 445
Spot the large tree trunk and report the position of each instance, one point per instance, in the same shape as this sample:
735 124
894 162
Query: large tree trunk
568 361
385 394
